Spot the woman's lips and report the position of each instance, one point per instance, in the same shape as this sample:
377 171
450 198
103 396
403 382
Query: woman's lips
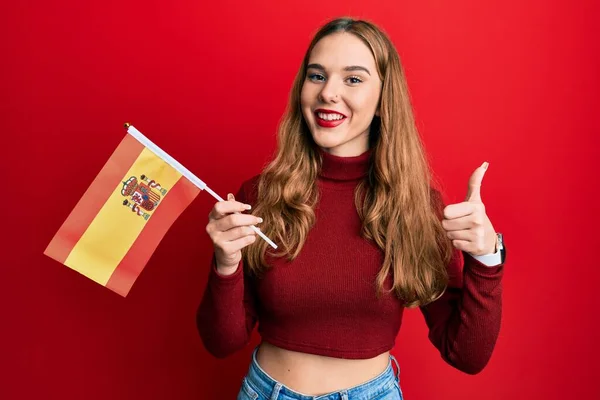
329 123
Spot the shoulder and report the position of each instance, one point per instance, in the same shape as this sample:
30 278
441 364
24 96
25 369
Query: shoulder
248 191
438 202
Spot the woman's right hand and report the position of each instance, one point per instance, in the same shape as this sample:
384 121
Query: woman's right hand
230 232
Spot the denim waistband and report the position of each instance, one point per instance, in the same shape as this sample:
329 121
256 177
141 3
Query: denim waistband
271 389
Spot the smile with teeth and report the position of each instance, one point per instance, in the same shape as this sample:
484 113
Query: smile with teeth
330 116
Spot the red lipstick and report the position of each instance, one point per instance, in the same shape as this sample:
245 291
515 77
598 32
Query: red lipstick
325 123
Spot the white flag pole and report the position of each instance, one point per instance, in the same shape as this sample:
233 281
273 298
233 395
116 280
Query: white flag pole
184 171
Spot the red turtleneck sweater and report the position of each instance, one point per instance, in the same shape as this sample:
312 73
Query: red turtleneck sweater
324 302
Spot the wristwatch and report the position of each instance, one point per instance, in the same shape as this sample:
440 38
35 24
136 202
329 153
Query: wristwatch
500 246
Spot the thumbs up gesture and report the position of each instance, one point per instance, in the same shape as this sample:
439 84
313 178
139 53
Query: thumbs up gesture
467 224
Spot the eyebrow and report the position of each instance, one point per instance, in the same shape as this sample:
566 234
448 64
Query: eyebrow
349 68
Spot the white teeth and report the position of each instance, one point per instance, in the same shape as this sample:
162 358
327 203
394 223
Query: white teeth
330 117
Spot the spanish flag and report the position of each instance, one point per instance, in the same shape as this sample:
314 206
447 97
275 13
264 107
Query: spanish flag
115 227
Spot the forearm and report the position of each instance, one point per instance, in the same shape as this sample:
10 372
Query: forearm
225 318
465 322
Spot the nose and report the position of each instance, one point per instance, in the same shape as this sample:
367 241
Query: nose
330 92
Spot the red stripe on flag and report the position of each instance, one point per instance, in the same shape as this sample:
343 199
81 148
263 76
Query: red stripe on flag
94 199
130 267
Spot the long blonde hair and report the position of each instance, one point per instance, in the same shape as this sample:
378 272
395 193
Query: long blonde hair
399 209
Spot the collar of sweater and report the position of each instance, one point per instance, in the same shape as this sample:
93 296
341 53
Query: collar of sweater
344 169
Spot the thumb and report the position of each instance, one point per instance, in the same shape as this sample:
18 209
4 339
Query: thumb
474 190
230 196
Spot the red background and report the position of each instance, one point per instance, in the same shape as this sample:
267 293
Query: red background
514 83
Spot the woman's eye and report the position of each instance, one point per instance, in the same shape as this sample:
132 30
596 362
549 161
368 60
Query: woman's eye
316 77
354 80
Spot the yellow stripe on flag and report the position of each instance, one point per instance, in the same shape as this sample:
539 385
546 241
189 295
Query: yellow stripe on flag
115 228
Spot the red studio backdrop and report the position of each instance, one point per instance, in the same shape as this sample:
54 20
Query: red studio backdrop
510 82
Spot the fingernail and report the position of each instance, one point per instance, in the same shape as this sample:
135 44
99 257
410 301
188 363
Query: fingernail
247 206
260 220
486 165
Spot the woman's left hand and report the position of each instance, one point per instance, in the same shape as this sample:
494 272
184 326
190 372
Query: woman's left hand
467 224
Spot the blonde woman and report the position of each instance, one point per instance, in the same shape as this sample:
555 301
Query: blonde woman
362 234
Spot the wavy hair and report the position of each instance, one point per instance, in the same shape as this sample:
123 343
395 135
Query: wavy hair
399 210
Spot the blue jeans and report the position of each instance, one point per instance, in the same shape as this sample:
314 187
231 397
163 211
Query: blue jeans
258 385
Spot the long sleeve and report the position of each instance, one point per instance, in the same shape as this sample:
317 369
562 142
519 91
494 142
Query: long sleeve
465 321
227 314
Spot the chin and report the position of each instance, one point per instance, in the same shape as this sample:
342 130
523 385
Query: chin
326 144
327 139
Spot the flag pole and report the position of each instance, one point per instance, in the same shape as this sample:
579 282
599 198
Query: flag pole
184 171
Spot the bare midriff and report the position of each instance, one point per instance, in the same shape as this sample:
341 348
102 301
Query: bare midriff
315 375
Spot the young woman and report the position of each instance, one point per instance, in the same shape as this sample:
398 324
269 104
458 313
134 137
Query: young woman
362 234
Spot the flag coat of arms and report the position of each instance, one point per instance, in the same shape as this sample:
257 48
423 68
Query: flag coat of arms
115 227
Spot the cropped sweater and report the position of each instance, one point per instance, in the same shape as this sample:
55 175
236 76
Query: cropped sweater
324 302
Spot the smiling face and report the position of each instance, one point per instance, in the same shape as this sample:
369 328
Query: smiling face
340 94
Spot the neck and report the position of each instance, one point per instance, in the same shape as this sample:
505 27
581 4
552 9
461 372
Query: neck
338 168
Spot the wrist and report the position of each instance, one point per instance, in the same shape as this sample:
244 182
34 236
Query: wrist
226 270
